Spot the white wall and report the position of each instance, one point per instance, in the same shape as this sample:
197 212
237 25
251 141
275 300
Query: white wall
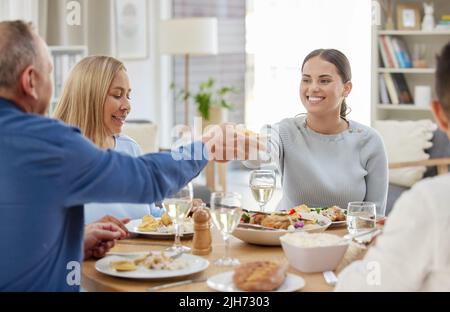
141 76
280 33
150 78
19 9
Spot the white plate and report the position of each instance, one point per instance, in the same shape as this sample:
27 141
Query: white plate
335 224
224 282
272 237
133 227
195 264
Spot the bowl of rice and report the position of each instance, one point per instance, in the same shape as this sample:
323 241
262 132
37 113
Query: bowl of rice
314 252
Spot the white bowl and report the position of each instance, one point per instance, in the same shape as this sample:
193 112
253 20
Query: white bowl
313 259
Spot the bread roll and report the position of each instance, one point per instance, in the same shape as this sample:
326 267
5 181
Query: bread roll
259 276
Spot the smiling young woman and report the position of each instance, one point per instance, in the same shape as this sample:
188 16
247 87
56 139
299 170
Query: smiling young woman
324 158
96 99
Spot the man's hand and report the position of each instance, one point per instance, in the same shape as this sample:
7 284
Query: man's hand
99 238
226 142
119 222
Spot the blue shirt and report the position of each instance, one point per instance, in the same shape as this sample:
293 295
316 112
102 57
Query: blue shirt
48 170
95 211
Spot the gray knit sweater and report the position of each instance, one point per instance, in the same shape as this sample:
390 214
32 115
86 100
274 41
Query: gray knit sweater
324 170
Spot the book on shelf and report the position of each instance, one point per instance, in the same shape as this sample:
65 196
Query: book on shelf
384 96
394 52
401 53
443 23
389 52
386 58
402 89
391 88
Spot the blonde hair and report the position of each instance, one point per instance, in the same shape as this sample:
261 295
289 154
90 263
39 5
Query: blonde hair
84 94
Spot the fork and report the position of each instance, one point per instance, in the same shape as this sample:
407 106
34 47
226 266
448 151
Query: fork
137 253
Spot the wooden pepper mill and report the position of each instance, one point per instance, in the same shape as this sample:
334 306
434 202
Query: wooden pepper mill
201 244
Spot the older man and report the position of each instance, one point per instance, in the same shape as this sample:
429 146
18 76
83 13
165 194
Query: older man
413 253
48 171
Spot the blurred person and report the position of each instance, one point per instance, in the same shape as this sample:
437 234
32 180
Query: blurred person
413 253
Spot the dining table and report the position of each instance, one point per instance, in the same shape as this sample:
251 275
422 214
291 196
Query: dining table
93 280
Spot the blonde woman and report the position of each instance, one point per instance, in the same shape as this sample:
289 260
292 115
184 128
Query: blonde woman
96 99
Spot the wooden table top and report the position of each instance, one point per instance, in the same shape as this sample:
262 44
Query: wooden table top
96 281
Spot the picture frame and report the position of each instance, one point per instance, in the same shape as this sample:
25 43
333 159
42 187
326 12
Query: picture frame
409 16
131 28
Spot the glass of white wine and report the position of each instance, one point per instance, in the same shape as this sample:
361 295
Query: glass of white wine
226 211
262 184
178 206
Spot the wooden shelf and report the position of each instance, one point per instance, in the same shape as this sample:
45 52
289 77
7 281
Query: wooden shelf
406 107
414 32
407 70
68 49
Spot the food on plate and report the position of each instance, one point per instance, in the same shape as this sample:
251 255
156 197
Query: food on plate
152 261
260 275
149 224
276 222
300 217
162 225
304 239
334 213
165 219
123 265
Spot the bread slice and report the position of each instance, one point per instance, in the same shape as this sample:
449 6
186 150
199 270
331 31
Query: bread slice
259 276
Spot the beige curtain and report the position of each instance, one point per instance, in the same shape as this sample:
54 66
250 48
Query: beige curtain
96 29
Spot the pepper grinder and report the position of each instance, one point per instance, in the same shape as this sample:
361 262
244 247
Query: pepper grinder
201 244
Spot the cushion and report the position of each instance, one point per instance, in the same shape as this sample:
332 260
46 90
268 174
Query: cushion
406 141
145 133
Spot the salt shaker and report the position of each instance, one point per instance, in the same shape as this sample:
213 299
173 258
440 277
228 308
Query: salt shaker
201 244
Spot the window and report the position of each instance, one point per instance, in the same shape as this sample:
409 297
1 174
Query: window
280 33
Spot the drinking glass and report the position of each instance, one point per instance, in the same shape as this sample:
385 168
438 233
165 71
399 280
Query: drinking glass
226 211
361 217
178 206
262 184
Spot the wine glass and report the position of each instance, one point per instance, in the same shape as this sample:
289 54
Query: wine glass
178 206
262 184
226 211
361 217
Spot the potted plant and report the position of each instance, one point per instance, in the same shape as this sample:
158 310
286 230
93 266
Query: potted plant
210 100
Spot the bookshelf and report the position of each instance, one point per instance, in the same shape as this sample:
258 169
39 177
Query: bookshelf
432 40
64 58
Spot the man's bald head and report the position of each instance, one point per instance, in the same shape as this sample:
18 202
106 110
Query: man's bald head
18 49
25 67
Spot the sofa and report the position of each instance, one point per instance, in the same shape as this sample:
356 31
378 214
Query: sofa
438 163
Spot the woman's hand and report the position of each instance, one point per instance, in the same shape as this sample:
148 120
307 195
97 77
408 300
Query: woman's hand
99 238
119 222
